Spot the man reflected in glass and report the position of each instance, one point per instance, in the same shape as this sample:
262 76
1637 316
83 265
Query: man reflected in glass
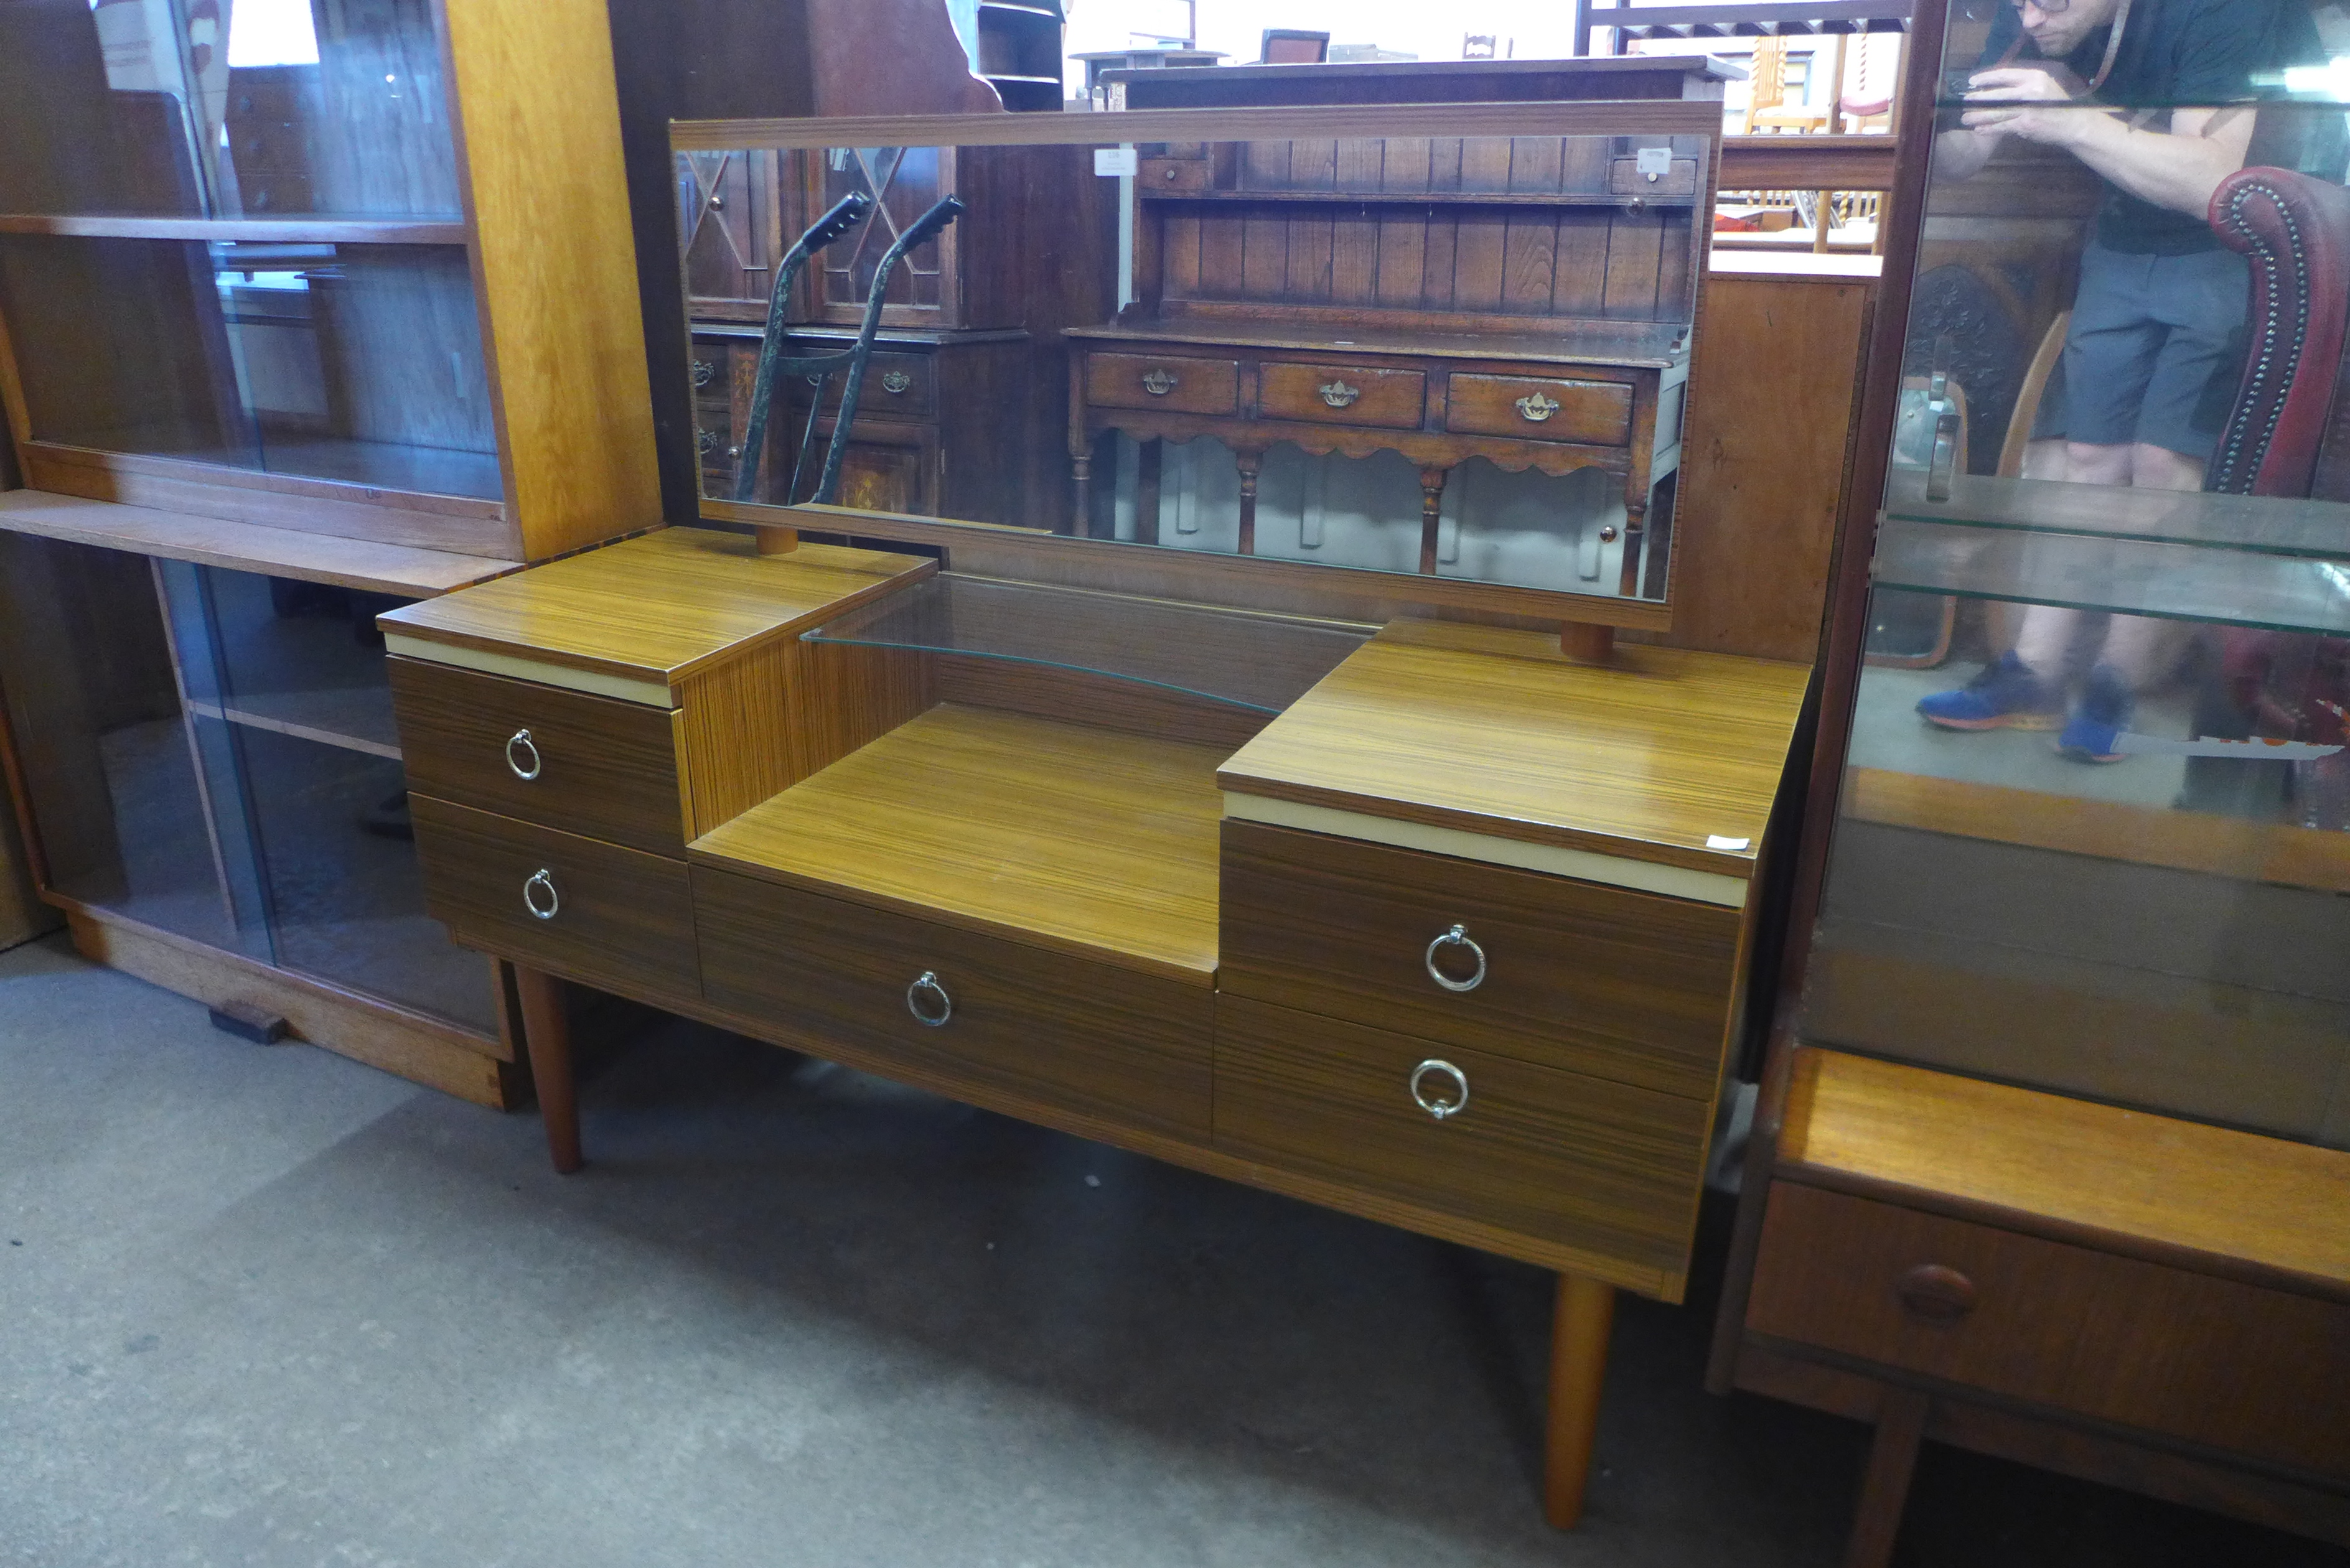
2154 96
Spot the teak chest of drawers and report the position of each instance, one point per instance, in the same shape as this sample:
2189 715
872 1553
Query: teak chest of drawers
1457 942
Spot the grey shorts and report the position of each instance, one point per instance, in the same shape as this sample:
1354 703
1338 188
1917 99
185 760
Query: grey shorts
2156 349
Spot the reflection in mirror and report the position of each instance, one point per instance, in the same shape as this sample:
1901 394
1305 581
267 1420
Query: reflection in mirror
1457 357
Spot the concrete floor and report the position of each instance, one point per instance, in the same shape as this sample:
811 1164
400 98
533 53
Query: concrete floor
265 1306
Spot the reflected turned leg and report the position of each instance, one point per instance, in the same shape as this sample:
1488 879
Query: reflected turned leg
1431 506
1892 1459
1250 462
547 1036
1081 467
1580 1322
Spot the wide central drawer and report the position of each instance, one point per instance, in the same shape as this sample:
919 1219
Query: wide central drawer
1091 1037
606 915
1178 383
1620 984
566 760
1341 395
1592 414
2214 1361
1560 1158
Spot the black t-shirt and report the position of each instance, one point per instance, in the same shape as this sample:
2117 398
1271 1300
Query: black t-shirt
2191 52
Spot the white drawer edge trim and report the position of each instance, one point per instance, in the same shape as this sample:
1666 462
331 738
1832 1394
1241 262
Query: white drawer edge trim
651 693
1673 881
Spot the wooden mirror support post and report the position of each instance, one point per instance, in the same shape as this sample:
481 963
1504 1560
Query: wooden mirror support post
776 541
1587 642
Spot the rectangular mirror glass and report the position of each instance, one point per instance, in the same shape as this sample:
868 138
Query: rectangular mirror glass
1411 349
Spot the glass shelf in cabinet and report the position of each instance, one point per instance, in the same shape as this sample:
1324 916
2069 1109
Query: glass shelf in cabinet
2258 524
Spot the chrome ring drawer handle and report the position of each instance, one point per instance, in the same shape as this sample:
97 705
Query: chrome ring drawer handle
541 882
944 1008
1159 383
1338 394
1441 1110
1458 937
526 773
1538 408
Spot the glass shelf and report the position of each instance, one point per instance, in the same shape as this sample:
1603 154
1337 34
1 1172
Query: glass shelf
2173 581
2258 523
1259 663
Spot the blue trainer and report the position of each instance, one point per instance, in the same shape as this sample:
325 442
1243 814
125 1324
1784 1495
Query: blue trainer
2098 722
2005 696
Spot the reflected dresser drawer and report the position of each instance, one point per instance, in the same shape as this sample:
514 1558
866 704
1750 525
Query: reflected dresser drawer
897 386
1087 1036
1170 382
1592 414
2210 1361
1341 395
1679 178
611 917
560 759
1602 1167
1624 985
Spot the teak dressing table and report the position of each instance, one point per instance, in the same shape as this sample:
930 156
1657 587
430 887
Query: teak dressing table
1245 863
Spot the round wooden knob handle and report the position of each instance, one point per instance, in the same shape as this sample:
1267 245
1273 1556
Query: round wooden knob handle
1937 1293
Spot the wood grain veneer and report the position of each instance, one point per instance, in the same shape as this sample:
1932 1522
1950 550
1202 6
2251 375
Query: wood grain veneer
622 915
1091 842
2205 1360
1606 1169
1102 1039
2176 1191
606 769
1599 412
659 607
1617 985
1491 732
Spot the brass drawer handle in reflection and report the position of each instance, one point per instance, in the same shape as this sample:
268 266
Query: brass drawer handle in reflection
1437 1108
940 1011
539 896
895 383
1458 937
1538 408
1338 394
702 371
1159 383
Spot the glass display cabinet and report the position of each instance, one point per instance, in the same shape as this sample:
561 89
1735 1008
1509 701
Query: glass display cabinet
282 345
2049 1158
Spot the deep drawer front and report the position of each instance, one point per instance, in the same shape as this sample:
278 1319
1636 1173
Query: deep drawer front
897 386
606 769
2251 1371
1679 178
1090 1037
1342 395
1622 985
1556 1156
1593 414
610 915
1174 382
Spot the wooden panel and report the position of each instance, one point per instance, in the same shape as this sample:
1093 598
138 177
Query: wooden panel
1089 841
1529 261
1194 385
1634 257
606 769
1494 731
546 199
2179 1190
660 606
619 913
1579 285
1594 413
1608 1169
423 1050
242 546
1390 400
760 723
2207 1360
1603 981
1101 1040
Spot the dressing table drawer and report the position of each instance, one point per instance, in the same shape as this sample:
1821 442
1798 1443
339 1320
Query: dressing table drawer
566 760
1342 395
897 386
1624 985
1091 1037
1556 1156
606 915
1591 413
1175 383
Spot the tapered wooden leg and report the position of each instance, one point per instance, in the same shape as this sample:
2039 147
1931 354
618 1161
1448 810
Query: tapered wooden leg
1081 464
547 1034
1580 1322
1146 491
1892 1460
1250 462
1431 506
